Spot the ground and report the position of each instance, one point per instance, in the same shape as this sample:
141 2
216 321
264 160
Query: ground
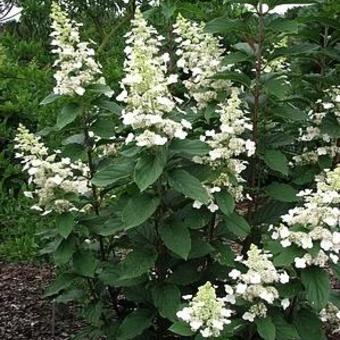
24 314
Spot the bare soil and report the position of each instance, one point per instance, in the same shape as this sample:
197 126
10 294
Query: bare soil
24 314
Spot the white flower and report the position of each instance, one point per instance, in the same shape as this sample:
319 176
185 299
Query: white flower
76 66
284 278
213 207
206 312
197 205
248 317
241 288
285 303
286 243
234 274
145 88
300 262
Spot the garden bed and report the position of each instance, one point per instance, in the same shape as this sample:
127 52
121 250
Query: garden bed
24 314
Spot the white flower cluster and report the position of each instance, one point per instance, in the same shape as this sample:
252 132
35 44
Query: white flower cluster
145 88
278 64
315 224
77 67
51 177
206 312
200 55
257 285
227 144
331 317
329 105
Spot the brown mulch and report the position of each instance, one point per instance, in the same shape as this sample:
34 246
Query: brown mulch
24 314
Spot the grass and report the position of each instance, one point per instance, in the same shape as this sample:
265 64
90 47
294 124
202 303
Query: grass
19 230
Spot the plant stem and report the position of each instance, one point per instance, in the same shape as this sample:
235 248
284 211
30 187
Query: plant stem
96 199
255 171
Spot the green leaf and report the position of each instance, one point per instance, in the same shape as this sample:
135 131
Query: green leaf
84 263
287 256
266 328
139 209
224 255
148 169
192 218
284 330
317 285
276 160
330 126
309 325
235 57
291 112
109 227
237 225
135 324
282 192
188 185
50 99
283 25
136 263
225 202
188 147
224 25
199 247
167 299
236 77
177 238
67 115
101 89
63 281
181 328
110 106
245 48
71 295
65 223
185 274
65 251
121 169
78 138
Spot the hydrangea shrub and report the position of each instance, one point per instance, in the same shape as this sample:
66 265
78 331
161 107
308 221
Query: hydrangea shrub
182 208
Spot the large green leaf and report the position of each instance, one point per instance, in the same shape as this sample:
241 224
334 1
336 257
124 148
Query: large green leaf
65 251
65 223
225 25
139 209
290 112
225 202
188 185
120 169
309 325
63 281
188 147
177 238
282 192
136 263
284 330
110 227
52 97
167 299
276 160
135 324
84 263
68 114
237 225
181 328
148 169
317 285
239 78
266 328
